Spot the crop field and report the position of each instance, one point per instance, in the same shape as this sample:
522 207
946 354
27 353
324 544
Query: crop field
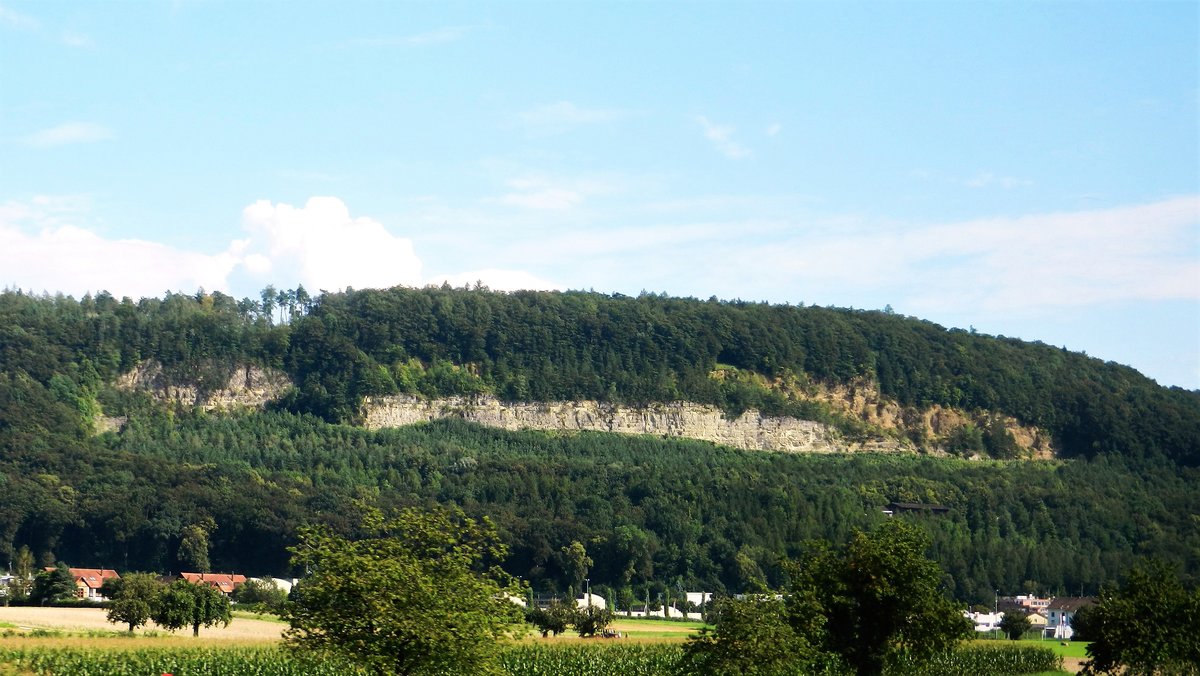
78 641
92 620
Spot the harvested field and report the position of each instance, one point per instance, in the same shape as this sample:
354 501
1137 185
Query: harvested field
93 620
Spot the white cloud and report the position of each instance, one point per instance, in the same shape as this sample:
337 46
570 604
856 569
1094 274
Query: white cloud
433 37
42 248
15 19
551 194
48 243
497 280
564 115
323 247
722 139
774 128
1005 266
68 133
986 179
75 39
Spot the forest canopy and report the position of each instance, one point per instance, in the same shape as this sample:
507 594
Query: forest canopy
654 515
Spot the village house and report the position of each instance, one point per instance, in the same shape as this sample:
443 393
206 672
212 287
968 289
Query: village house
1032 603
88 582
1060 614
225 582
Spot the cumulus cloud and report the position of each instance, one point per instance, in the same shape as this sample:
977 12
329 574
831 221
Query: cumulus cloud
722 139
43 248
51 243
323 247
68 133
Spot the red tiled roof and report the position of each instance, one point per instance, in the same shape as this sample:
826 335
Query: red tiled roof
91 577
224 581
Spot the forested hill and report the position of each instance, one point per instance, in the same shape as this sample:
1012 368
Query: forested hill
178 488
546 346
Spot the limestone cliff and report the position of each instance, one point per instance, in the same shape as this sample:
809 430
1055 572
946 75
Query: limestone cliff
892 427
240 387
750 430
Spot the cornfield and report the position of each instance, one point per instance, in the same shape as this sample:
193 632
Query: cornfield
595 659
604 659
985 660
238 661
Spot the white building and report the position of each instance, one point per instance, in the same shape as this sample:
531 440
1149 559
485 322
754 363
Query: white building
590 600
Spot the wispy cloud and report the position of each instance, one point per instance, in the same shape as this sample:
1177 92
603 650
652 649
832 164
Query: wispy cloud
434 37
564 115
497 279
15 19
75 39
722 139
987 179
536 192
67 134
774 128
1004 266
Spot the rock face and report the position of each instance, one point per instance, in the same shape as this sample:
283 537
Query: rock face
750 430
245 387
252 387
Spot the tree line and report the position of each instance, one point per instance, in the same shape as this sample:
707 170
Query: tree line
654 516
537 346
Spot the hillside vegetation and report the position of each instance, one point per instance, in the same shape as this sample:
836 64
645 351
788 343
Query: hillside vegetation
653 515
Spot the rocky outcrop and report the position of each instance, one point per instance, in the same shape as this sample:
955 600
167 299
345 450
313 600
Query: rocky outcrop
751 430
891 426
241 387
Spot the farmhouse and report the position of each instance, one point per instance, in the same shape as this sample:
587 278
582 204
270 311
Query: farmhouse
88 581
225 582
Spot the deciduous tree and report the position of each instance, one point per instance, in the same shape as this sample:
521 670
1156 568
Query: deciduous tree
184 604
1014 624
418 594
132 598
867 606
1145 626
553 619
591 620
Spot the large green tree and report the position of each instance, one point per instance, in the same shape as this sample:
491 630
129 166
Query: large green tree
51 586
183 604
1014 624
132 598
872 605
1148 625
754 636
261 595
418 593
882 598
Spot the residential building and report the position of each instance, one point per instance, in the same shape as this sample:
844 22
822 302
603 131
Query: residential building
225 582
88 581
1061 612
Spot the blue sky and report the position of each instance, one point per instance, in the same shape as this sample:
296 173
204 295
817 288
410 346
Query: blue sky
1026 169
